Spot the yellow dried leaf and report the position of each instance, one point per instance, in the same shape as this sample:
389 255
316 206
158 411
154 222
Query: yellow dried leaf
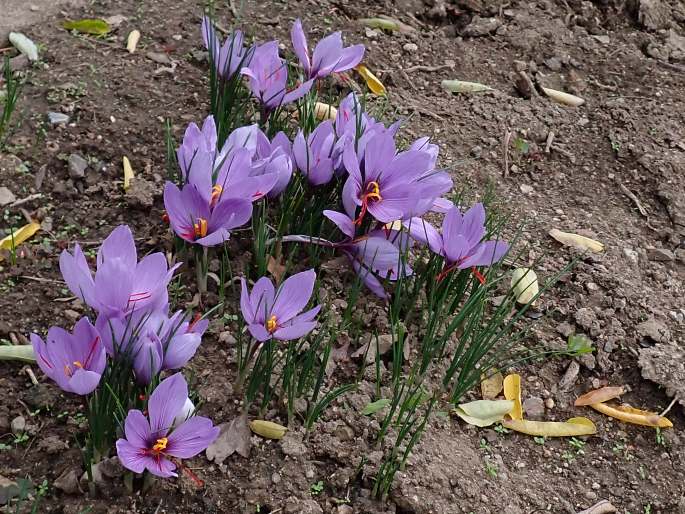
483 413
373 82
563 98
128 173
491 386
576 241
524 282
324 111
572 427
599 395
268 429
10 242
132 41
629 414
512 391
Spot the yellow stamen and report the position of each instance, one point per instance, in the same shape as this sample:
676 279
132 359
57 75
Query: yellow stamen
160 445
216 193
78 364
67 370
201 227
271 324
373 191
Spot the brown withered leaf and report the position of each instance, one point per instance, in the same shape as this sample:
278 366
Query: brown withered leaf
600 395
234 437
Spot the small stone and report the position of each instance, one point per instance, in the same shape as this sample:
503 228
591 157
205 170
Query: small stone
565 329
276 478
481 27
8 490
660 254
534 406
344 433
68 482
591 287
345 509
18 425
227 337
631 254
553 63
654 330
141 193
310 507
569 379
591 495
292 445
6 196
371 33
585 317
410 48
596 486
549 403
111 468
476 151
309 474
52 445
526 189
77 166
158 57
57 118
177 37
71 314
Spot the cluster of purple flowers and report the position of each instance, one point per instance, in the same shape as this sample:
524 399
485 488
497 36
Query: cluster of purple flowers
133 325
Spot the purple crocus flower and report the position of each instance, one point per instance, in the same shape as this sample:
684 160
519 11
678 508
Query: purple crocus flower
195 219
267 77
273 156
461 240
271 313
313 154
154 442
432 183
385 185
74 361
226 57
329 54
121 284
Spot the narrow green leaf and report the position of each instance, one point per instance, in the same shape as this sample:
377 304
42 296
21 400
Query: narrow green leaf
94 26
23 353
374 407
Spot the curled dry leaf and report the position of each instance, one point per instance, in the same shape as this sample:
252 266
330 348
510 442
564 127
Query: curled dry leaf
233 437
576 241
324 111
374 84
571 428
24 45
276 268
629 414
600 395
603 507
524 282
461 86
268 429
491 385
10 242
128 173
512 391
132 41
483 413
563 98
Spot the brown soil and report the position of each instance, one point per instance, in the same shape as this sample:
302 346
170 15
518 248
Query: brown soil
626 61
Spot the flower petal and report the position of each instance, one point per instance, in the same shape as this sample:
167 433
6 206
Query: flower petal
165 403
191 437
294 331
293 295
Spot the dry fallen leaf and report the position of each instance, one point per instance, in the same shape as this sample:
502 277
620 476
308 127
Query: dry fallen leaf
324 111
276 268
524 282
128 173
600 395
602 507
461 86
512 391
380 23
491 386
234 437
268 429
572 427
132 41
10 242
373 82
483 413
563 98
629 414
576 241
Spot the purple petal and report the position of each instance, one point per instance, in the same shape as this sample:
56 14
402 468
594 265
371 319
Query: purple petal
380 152
306 316
191 437
326 54
137 428
42 357
473 224
132 458
77 275
297 93
293 295
350 196
370 280
451 225
390 208
84 382
377 253
294 331
424 232
230 213
259 332
245 305
299 40
456 248
180 350
113 286
119 244
215 238
349 58
165 402
343 222
148 359
488 253
262 299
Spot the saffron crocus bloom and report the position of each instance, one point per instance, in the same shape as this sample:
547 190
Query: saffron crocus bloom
385 185
432 183
226 57
74 361
329 54
267 77
313 154
271 313
273 156
194 219
155 442
461 240
121 284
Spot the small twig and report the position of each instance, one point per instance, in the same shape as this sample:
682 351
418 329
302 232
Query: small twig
31 375
29 198
409 81
634 198
603 86
550 140
562 151
430 69
41 279
505 150
670 405
232 8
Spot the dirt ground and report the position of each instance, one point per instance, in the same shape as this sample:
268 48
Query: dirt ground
612 169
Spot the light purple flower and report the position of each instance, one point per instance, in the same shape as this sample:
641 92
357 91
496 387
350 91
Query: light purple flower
271 313
273 156
313 154
329 54
267 77
121 284
154 442
74 361
193 216
461 240
226 57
